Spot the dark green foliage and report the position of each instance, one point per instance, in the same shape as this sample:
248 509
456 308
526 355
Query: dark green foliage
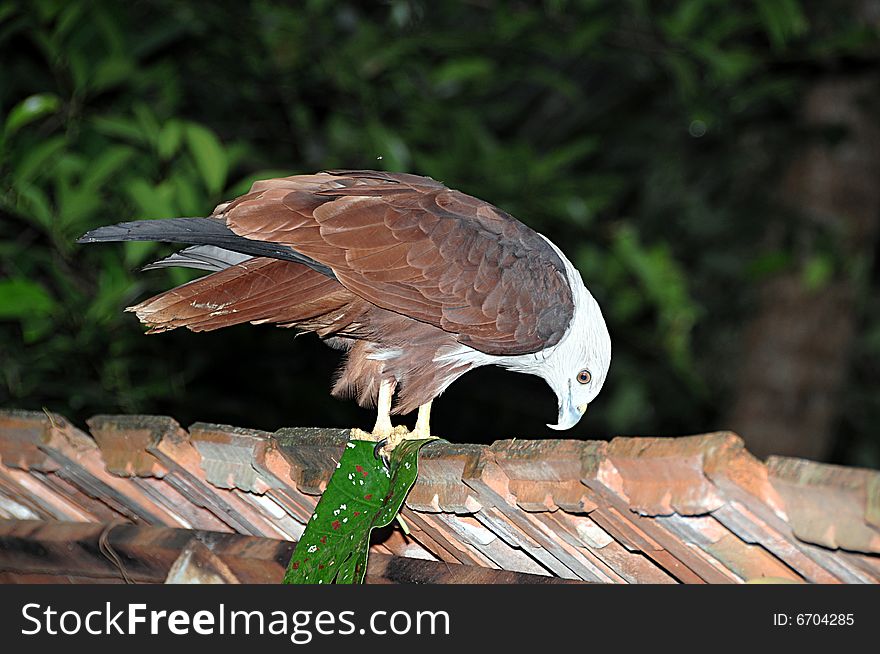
646 138
362 495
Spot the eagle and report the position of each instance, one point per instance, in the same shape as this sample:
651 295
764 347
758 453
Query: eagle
416 282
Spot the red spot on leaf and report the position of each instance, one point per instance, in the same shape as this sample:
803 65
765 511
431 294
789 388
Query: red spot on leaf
356 514
321 566
335 524
324 539
295 565
368 496
361 470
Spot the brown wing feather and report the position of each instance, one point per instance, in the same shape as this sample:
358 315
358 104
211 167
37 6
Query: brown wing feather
257 290
410 245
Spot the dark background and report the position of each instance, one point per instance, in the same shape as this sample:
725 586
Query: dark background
712 167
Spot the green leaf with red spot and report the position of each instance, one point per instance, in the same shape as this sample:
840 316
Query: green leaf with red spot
361 495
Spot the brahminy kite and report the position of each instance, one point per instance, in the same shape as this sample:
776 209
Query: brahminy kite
418 283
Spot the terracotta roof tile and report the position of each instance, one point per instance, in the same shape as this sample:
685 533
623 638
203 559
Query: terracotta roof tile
662 476
23 433
545 475
442 467
829 505
124 443
313 454
228 456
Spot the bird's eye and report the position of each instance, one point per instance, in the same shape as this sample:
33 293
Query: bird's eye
584 377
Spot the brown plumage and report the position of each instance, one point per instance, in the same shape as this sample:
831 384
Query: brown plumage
396 269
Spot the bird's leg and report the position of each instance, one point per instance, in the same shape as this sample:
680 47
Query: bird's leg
423 422
383 432
383 426
400 433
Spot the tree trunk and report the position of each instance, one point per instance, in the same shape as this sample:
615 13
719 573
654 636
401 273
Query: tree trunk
797 346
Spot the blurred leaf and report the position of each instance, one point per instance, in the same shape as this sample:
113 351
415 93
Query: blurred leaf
170 138
152 201
34 328
111 31
209 155
818 272
114 287
30 109
665 286
391 152
121 127
461 70
555 162
80 69
111 72
685 19
23 298
684 72
782 19
137 252
147 121
106 165
769 264
68 19
75 203
38 159
7 9
33 203
189 196
727 65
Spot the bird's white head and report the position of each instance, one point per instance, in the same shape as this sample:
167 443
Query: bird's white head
576 367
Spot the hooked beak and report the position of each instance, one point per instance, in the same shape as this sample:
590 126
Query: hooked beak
569 416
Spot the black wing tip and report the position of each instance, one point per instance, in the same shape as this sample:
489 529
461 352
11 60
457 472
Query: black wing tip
136 230
94 235
107 233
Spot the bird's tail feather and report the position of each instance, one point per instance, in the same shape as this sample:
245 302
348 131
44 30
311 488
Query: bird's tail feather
257 290
171 230
200 257
199 231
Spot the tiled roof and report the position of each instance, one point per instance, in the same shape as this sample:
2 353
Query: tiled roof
37 551
697 509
